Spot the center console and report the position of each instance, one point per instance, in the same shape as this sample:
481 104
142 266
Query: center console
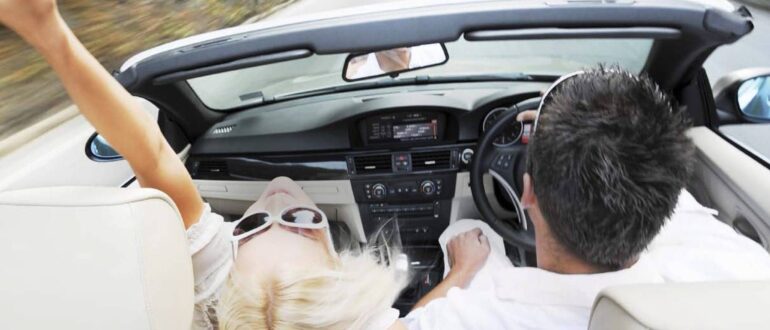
421 206
413 185
420 203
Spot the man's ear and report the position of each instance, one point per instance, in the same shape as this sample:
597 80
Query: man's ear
528 198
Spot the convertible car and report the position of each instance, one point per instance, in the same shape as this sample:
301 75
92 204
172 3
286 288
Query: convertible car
400 112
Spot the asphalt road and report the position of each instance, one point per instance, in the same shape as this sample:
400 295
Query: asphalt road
304 7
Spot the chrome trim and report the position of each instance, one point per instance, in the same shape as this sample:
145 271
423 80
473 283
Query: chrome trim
514 197
484 127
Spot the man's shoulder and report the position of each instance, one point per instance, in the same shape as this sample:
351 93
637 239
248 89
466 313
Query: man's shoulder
484 309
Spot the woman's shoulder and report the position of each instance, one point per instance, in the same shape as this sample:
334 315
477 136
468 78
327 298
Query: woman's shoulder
209 226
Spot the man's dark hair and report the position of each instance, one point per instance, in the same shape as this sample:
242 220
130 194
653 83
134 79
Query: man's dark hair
608 161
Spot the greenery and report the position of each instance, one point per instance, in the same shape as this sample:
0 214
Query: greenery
113 30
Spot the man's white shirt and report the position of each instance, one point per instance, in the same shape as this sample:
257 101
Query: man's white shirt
692 246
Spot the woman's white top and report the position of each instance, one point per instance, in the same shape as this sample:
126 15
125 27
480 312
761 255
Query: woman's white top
212 260
211 250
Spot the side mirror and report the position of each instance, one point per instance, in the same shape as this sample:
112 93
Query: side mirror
391 62
754 97
744 95
99 150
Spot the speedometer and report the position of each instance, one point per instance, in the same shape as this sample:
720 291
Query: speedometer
512 132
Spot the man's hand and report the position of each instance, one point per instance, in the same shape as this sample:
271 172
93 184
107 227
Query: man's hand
467 254
529 115
33 20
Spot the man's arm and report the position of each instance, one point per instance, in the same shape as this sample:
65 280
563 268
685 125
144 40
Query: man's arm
467 254
104 102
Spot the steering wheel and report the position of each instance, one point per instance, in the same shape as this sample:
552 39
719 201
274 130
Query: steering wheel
506 165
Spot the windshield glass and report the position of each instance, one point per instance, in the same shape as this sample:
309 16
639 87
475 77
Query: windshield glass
252 86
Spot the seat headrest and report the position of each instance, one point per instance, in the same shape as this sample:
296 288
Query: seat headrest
93 258
703 305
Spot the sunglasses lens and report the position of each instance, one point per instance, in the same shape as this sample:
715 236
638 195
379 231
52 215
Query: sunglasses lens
302 215
250 223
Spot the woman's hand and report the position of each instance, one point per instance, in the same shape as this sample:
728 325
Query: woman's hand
467 253
37 21
117 115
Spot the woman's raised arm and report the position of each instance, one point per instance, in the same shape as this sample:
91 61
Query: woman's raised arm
104 102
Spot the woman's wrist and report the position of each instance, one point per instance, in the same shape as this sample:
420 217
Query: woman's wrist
50 36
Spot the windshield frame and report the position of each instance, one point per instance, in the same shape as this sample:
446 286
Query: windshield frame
568 54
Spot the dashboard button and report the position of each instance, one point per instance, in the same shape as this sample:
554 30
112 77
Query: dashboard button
427 187
466 156
379 191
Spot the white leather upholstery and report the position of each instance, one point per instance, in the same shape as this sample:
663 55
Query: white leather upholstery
93 258
704 305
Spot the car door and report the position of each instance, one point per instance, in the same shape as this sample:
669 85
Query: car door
733 166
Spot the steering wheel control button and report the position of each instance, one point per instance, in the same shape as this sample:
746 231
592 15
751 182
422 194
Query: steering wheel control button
504 161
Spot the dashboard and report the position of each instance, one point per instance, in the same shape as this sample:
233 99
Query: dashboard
403 152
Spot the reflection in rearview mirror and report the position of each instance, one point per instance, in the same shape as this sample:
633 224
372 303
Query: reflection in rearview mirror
754 97
394 61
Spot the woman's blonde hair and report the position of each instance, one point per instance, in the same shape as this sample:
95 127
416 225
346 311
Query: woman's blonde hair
346 296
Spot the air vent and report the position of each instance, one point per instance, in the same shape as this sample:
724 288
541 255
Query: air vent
431 160
373 164
223 130
212 168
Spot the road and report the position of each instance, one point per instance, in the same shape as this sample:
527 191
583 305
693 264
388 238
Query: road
304 7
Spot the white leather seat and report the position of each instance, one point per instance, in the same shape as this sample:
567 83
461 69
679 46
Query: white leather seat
704 305
93 258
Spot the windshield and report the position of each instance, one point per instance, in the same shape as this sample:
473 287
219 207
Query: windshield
252 86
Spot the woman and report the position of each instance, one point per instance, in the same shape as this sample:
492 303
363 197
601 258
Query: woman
300 283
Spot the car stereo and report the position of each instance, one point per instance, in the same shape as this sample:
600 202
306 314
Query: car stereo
404 127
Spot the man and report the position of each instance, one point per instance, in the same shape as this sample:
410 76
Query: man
608 159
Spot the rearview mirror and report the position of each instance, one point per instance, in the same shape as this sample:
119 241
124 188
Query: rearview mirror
391 62
754 97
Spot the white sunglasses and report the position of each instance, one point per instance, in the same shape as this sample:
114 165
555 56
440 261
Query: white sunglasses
302 217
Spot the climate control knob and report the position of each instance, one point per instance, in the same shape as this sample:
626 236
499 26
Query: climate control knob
427 187
379 191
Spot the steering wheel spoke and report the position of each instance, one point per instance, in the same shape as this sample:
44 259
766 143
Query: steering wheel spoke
506 165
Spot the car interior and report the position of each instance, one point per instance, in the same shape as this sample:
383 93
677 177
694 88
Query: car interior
409 157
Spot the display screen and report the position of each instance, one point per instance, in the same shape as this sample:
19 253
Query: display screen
413 126
415 131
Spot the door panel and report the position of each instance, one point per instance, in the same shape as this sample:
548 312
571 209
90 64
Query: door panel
753 137
731 182
58 158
